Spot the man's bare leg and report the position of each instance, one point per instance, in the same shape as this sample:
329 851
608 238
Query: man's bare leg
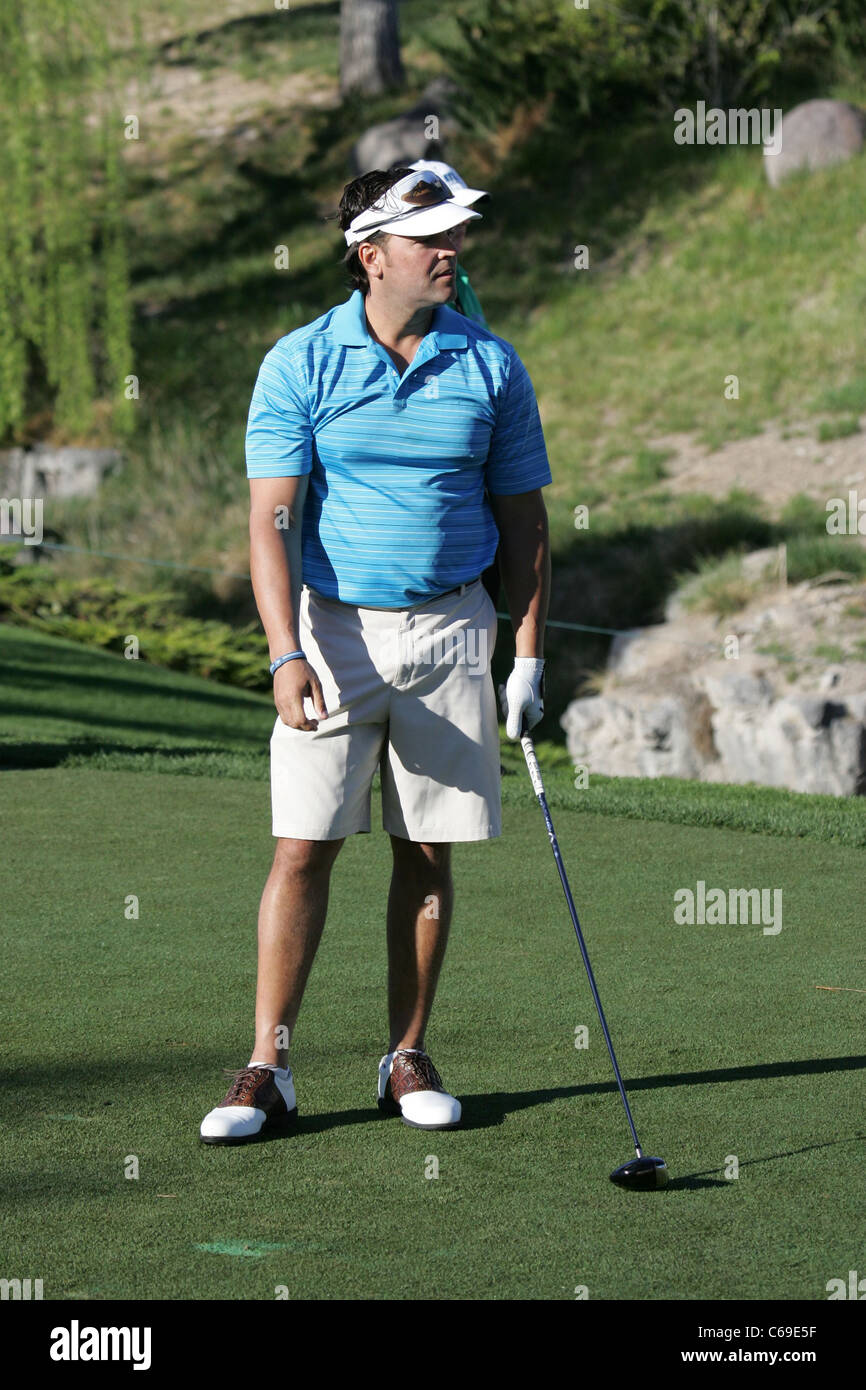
291 919
420 904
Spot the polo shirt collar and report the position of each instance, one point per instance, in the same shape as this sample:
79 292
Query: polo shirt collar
349 326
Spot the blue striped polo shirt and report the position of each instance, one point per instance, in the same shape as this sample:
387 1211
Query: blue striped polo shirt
396 508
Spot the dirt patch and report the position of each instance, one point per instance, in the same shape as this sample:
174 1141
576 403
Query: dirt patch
185 103
773 466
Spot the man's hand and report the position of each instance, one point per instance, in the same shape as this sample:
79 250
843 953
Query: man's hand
292 681
523 695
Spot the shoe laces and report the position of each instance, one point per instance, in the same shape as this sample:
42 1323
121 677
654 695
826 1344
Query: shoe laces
242 1079
422 1066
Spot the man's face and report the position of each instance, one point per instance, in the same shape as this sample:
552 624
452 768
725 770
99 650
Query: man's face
416 271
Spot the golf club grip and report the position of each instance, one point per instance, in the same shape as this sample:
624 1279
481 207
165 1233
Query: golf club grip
531 762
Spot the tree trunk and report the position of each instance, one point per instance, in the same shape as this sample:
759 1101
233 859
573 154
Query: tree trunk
369 47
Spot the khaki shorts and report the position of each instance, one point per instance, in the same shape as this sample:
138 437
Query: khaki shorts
408 691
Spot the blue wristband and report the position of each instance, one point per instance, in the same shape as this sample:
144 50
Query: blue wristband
281 660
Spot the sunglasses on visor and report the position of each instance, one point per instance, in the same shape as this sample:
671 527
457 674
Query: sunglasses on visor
420 189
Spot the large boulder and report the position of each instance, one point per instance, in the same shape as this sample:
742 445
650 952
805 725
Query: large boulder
408 137
748 699
44 471
637 737
815 135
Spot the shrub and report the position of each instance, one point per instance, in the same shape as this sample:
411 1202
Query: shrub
616 55
97 614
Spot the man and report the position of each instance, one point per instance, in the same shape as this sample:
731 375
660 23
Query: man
374 432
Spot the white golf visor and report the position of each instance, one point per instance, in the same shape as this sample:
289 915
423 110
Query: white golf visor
419 204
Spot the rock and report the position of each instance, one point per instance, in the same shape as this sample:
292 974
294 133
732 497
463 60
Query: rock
683 700
640 738
405 138
815 135
806 745
44 471
726 687
643 649
830 679
764 564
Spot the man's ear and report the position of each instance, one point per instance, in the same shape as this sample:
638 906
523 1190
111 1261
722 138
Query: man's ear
371 255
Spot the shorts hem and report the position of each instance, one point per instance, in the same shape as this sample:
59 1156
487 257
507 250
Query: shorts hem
329 833
446 835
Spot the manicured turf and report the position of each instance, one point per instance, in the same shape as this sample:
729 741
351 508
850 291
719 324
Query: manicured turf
116 1031
58 697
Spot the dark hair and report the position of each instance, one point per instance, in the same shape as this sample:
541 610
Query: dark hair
358 195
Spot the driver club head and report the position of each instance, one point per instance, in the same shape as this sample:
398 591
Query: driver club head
641 1174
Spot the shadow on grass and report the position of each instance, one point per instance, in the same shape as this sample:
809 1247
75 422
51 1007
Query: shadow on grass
481 1112
18 757
36 675
303 22
705 1179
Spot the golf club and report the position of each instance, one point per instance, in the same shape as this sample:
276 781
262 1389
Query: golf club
640 1173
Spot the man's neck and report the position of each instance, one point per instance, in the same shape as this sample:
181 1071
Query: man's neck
390 325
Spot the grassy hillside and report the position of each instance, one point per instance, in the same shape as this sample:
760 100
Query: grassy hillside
697 271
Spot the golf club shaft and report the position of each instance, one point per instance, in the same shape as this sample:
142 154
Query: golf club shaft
538 786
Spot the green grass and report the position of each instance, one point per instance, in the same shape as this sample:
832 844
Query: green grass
778 650
714 276
849 397
118 1027
838 429
67 706
58 698
719 587
117 1031
829 651
811 556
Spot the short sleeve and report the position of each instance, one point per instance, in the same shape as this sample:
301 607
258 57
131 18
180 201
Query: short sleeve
517 460
279 440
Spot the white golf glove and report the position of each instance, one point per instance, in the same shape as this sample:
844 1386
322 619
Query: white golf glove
523 694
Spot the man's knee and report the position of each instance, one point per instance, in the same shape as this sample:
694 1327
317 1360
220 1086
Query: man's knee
412 856
306 857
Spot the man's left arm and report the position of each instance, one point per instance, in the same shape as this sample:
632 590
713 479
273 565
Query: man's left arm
517 470
524 551
524 562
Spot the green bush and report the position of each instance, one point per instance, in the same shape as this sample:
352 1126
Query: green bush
97 614
838 429
812 556
617 55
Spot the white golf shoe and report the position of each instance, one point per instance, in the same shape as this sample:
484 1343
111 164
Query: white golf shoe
260 1101
411 1087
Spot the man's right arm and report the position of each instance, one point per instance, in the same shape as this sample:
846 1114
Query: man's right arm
276 509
